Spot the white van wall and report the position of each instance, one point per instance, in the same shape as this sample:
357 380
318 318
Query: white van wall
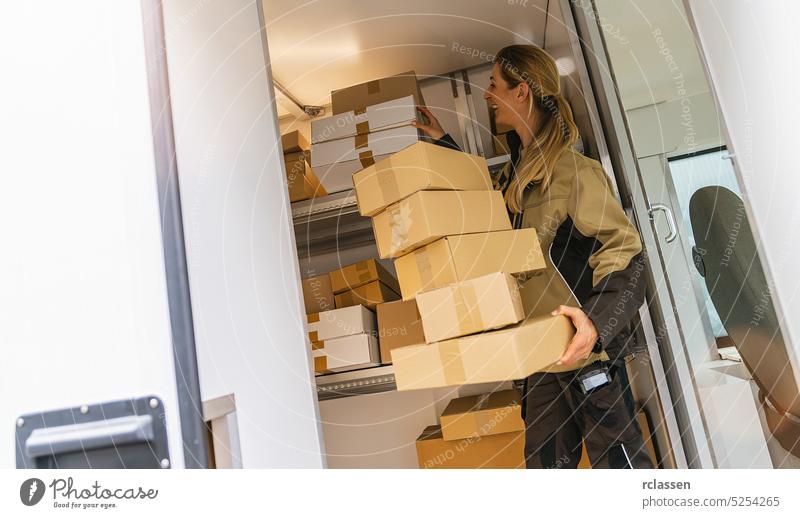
83 306
244 276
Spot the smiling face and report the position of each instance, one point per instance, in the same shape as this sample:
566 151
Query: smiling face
510 104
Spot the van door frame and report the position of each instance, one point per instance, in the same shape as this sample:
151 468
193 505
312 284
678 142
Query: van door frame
195 450
680 400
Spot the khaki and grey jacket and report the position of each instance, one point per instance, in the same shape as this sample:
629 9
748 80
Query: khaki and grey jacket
593 252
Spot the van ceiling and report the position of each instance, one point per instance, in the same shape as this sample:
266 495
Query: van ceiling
321 45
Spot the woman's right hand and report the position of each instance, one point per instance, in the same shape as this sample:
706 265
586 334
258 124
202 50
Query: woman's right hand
433 129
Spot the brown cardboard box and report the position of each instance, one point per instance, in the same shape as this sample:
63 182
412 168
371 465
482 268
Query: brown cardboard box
386 115
317 293
501 451
335 161
305 188
486 414
360 273
419 167
345 353
297 161
429 215
294 142
357 97
341 322
398 325
458 258
369 295
302 182
480 304
512 353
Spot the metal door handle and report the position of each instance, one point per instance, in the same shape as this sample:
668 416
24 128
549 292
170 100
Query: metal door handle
86 436
673 227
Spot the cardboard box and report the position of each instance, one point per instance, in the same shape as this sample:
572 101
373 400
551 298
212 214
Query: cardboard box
508 354
302 183
294 142
420 167
317 293
480 304
360 273
386 115
358 97
429 215
345 353
486 414
335 161
305 188
399 325
341 322
501 451
461 257
369 295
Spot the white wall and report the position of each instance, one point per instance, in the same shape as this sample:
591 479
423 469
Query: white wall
83 305
243 269
377 430
751 56
380 430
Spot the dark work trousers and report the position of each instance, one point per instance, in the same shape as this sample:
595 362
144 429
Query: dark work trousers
558 416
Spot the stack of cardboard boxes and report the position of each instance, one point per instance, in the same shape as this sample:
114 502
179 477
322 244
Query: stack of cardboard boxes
343 339
340 308
370 121
435 211
301 180
485 431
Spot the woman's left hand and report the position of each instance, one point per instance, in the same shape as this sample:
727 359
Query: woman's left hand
585 335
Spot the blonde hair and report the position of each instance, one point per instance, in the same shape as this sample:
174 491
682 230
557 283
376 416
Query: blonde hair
535 67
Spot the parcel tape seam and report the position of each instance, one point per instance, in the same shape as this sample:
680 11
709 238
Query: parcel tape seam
364 270
387 183
451 362
361 141
470 300
423 267
366 158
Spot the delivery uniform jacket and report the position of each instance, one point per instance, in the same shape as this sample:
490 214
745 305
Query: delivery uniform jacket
595 261
594 250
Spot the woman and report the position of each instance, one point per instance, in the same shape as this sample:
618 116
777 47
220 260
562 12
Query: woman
594 250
